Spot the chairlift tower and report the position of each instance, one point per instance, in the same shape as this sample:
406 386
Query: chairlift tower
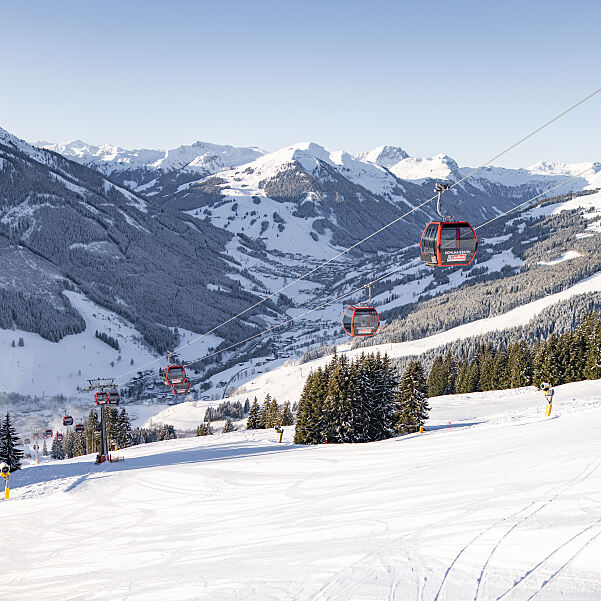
102 385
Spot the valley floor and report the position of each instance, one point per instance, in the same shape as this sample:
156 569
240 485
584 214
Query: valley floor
503 505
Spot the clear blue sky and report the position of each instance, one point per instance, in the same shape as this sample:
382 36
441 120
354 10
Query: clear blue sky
465 78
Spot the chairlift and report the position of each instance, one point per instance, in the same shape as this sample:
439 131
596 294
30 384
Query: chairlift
447 242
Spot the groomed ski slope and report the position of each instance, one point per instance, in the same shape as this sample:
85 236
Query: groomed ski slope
505 504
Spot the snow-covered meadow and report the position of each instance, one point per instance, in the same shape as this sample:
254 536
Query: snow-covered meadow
504 504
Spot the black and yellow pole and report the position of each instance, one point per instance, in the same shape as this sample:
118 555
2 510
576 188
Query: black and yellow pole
5 473
548 392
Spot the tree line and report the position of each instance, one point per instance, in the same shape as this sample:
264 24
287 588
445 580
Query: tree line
361 400
571 356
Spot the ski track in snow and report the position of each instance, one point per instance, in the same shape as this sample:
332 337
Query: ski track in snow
455 514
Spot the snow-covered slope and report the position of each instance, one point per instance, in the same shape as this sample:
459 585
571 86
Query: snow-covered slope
502 505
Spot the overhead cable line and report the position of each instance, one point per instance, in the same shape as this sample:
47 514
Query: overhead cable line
369 284
366 238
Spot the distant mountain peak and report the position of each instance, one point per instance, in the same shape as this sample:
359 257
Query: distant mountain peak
385 156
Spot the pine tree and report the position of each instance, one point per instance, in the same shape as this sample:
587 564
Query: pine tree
265 414
309 416
45 449
254 416
92 432
228 426
338 407
79 445
275 415
246 407
384 382
472 381
462 381
10 453
450 372
205 429
412 399
486 370
592 336
287 417
68 444
437 382
123 430
500 378
111 416
57 451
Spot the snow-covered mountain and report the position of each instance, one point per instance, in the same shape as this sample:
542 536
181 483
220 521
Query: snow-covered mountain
65 228
306 198
135 168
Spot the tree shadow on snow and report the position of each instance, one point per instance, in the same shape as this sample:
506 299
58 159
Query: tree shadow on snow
79 469
201 455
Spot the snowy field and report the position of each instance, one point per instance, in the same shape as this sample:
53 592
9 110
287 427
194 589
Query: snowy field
505 504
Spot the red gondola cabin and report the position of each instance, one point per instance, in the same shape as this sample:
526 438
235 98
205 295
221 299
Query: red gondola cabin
448 243
67 420
59 436
101 398
361 321
114 397
174 374
79 428
181 387
48 433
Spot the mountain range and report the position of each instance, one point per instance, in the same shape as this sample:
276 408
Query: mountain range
186 238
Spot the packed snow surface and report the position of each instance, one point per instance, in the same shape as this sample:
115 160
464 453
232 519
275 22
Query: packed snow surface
502 504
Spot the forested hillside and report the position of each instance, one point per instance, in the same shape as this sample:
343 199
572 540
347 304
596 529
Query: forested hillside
74 229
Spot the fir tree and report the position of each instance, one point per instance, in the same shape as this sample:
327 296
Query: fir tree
412 399
79 445
228 426
45 449
486 370
68 444
265 414
309 416
286 414
450 372
205 429
57 451
10 453
591 327
462 381
254 416
500 377
123 430
92 432
338 407
246 407
437 380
